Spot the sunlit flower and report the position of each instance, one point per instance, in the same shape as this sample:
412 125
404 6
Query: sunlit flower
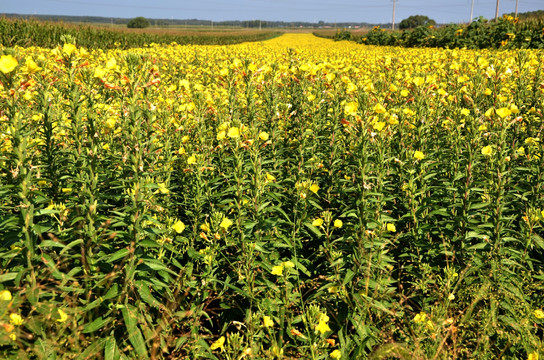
336 354
5 295
191 160
539 314
8 63
263 136
225 223
267 321
317 222
162 188
391 227
487 150
314 188
277 270
15 319
218 344
322 326
62 316
338 223
503 112
68 49
420 318
179 226
234 132
419 155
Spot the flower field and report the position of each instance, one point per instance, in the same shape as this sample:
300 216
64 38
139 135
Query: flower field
296 198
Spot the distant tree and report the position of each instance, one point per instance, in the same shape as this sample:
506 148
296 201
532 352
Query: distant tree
138 23
415 21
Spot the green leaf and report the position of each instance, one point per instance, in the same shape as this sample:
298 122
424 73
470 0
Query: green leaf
8 276
91 351
111 351
145 293
97 324
313 229
119 254
133 332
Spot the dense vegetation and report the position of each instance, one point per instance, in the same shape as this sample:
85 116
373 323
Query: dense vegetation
139 22
292 199
506 33
33 33
415 21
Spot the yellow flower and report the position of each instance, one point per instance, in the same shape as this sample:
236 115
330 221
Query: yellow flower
421 317
391 227
31 66
5 295
539 314
111 63
110 122
277 270
288 264
503 112
317 222
162 188
8 63
338 223
322 327
419 155
351 108
221 135
314 188
533 356
62 316
12 336
379 108
487 150
16 319
179 226
234 132
66 190
270 177
379 126
418 81
267 321
404 93
191 160
225 223
336 354
68 49
263 135
218 344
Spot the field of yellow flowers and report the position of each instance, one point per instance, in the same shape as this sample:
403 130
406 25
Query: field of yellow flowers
296 198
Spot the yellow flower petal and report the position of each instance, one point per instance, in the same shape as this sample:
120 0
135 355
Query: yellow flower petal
179 226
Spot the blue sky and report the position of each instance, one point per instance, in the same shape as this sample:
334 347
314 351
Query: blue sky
376 11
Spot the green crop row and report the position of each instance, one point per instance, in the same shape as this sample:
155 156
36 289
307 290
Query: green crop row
33 33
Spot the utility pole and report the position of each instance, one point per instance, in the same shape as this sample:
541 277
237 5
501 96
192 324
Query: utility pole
394 6
497 11
517 1
471 11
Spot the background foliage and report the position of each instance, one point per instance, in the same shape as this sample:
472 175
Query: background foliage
33 33
506 33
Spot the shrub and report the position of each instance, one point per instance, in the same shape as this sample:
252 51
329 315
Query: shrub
138 23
